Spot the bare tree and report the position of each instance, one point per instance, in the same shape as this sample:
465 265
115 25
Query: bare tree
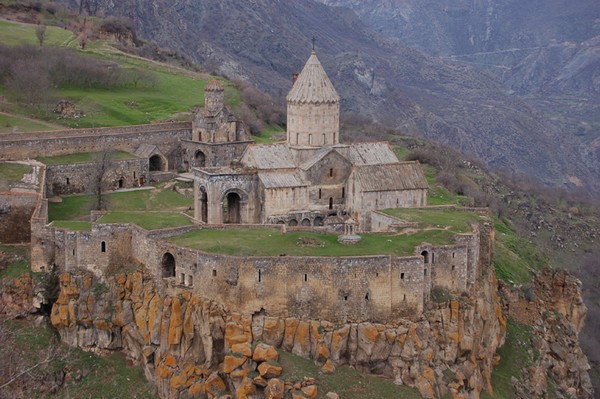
40 33
104 162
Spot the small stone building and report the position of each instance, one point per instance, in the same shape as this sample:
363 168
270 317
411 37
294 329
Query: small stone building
311 179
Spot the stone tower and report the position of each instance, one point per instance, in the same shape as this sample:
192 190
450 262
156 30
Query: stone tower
213 98
313 108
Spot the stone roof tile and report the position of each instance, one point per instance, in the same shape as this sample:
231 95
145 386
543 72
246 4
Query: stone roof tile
313 85
391 177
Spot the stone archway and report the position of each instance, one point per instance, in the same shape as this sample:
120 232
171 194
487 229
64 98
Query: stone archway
157 163
305 222
199 159
425 256
232 208
318 221
168 265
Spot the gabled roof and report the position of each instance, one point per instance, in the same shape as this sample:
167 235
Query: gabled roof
377 153
146 150
316 157
273 156
281 180
313 86
390 177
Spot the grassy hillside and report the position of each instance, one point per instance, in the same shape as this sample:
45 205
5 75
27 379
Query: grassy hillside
162 92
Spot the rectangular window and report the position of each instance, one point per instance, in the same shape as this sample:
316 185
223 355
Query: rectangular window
214 273
343 192
401 276
319 193
306 277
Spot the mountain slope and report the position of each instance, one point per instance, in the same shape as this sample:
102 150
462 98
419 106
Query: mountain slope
547 52
264 42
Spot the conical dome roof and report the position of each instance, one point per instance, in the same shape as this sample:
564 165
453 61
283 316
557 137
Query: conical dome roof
313 85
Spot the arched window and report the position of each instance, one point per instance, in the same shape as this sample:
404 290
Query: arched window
425 256
200 159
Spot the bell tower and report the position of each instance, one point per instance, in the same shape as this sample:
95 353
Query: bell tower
213 98
313 108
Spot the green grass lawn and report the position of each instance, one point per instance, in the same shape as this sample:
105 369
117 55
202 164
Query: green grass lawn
346 382
16 33
147 220
11 173
155 208
8 123
271 242
74 225
454 220
84 157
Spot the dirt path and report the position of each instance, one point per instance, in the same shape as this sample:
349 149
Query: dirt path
41 122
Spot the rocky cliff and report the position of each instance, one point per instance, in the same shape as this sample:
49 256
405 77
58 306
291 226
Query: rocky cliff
554 308
188 345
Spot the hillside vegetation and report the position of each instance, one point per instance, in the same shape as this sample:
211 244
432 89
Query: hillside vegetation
107 86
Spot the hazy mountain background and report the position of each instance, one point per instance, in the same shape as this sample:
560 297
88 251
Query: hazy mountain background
534 113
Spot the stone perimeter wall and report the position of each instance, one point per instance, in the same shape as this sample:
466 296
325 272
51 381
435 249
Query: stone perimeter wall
339 289
165 136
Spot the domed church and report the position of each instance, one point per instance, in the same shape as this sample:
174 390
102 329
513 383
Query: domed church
311 179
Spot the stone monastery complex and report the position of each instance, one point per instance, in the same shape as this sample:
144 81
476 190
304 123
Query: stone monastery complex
309 182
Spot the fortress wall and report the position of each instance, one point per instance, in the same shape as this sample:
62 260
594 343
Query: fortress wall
16 209
449 267
82 178
43 245
339 289
408 286
31 145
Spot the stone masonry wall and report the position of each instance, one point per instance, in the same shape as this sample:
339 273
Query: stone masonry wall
340 289
82 178
165 136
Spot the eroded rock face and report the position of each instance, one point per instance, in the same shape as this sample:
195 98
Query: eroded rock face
188 345
554 308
